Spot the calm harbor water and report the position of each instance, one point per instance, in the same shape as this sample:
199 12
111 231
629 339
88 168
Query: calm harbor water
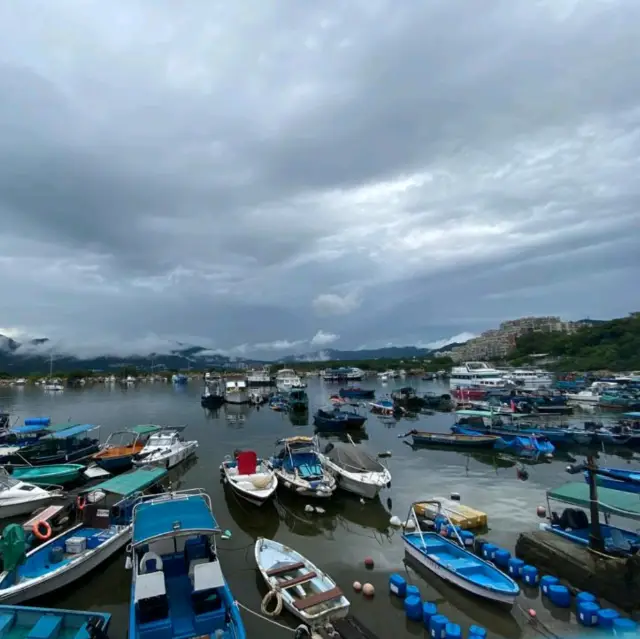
338 540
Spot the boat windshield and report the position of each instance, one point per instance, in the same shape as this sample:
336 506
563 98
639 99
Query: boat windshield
161 440
7 482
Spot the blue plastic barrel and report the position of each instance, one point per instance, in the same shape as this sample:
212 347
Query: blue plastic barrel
37 421
501 558
437 626
585 596
398 585
452 631
606 617
56 555
489 551
624 627
478 631
413 591
468 538
514 567
588 613
429 609
546 581
530 575
413 608
559 595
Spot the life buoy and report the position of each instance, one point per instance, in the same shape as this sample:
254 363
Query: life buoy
81 502
42 530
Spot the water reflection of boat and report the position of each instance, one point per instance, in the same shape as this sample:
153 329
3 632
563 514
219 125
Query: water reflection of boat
299 418
495 619
356 436
255 522
342 511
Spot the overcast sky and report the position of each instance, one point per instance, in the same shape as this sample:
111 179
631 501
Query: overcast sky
265 177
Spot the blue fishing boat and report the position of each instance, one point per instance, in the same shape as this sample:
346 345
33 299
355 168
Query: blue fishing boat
104 529
455 564
355 392
452 440
20 622
382 406
178 590
70 444
518 443
336 419
625 480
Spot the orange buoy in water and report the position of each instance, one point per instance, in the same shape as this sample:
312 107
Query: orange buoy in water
368 590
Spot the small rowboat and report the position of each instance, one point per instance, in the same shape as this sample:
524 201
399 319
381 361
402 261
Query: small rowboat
306 591
453 440
52 475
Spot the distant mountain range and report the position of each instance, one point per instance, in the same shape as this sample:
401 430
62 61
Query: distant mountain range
34 357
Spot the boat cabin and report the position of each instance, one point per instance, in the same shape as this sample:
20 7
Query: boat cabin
178 589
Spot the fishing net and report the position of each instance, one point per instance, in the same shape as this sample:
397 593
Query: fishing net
353 459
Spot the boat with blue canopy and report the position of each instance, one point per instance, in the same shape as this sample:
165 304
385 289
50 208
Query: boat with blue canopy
452 562
71 444
178 590
104 527
20 622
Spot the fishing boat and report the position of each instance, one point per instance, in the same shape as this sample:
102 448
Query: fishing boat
72 443
573 523
306 592
165 448
626 480
52 475
121 447
382 406
249 477
298 400
287 378
298 468
104 529
178 590
355 470
213 394
355 392
18 622
21 498
453 440
453 563
235 391
336 419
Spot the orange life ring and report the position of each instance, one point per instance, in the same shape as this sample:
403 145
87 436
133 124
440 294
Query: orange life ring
81 502
42 530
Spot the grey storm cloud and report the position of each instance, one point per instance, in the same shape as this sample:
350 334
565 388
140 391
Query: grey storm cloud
263 177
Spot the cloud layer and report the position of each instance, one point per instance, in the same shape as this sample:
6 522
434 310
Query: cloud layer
241 175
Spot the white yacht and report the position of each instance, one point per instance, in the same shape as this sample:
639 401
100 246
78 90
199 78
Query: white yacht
259 378
476 374
530 378
20 498
166 449
235 391
287 378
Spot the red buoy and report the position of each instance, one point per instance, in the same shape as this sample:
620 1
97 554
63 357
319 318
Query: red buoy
368 562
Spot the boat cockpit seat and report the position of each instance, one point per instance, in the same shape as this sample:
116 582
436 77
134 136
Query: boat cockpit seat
150 562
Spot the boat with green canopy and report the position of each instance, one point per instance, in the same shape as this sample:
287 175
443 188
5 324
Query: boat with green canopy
104 512
51 475
120 448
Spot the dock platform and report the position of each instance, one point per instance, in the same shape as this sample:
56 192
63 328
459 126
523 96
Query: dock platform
460 515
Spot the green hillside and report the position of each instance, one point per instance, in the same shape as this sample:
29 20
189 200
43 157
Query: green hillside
612 345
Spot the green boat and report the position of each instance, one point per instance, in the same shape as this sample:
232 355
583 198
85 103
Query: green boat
298 400
52 475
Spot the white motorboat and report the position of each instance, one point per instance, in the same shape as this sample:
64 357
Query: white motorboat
530 379
53 387
298 468
306 591
166 449
259 378
249 477
235 391
287 378
588 396
355 470
20 498
477 374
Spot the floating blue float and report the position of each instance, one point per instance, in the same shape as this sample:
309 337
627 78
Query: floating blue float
489 551
437 626
413 607
37 421
606 617
501 558
468 538
624 627
530 575
514 567
546 581
429 609
559 595
585 596
452 631
477 631
413 591
398 585
588 613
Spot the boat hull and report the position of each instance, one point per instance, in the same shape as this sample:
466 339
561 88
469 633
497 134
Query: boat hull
58 477
452 578
115 464
67 574
8 510
454 441
254 497
360 488
169 460
289 482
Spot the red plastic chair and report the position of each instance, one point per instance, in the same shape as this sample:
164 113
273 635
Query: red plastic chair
247 462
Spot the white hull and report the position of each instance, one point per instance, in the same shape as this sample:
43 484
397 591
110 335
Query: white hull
237 397
302 488
583 399
452 578
169 459
67 574
242 485
10 509
366 485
